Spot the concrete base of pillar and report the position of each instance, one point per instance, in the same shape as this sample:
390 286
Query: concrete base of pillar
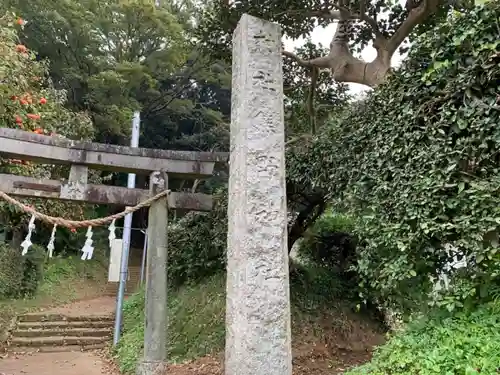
152 368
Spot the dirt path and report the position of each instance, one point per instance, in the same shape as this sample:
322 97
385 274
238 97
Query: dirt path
94 306
64 363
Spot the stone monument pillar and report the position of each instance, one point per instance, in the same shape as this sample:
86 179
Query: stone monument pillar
258 333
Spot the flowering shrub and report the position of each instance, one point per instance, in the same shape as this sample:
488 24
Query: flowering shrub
29 101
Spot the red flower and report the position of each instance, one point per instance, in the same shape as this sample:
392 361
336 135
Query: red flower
43 101
20 21
32 116
23 101
73 230
21 48
19 120
13 97
38 131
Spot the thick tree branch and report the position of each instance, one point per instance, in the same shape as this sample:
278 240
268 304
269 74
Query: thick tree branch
313 210
362 16
416 16
345 67
319 62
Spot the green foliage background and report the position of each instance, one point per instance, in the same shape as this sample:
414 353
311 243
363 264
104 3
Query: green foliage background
197 243
315 245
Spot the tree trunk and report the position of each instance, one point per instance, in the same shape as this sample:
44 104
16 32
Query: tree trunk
347 68
306 218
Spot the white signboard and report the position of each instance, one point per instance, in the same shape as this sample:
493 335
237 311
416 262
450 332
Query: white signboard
115 259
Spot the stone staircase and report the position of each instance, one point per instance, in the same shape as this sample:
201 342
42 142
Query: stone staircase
41 332
133 281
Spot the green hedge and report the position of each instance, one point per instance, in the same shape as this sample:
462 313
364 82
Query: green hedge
196 327
416 163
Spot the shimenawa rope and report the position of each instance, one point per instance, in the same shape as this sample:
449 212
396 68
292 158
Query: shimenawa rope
59 221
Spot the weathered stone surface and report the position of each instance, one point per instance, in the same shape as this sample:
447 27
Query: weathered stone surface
17 134
258 336
24 145
152 368
77 183
155 331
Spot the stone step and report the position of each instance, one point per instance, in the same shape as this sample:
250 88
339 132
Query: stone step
56 341
72 332
128 286
56 349
112 288
64 324
48 317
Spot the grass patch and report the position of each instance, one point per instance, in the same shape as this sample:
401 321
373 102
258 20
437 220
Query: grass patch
197 323
196 327
461 343
64 280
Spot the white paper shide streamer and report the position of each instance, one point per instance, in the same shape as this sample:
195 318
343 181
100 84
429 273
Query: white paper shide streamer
112 234
27 241
50 246
443 281
88 249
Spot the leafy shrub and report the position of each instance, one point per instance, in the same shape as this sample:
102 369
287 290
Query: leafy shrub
33 269
130 347
416 163
197 243
313 287
463 343
20 276
330 242
11 271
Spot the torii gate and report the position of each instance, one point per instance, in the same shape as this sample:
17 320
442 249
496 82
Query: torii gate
160 164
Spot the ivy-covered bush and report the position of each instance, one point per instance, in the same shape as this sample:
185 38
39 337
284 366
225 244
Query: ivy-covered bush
417 164
197 243
463 343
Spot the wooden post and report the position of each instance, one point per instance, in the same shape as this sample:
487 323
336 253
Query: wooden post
155 332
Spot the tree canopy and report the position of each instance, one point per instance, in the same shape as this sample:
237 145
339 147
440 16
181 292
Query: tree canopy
114 57
385 24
